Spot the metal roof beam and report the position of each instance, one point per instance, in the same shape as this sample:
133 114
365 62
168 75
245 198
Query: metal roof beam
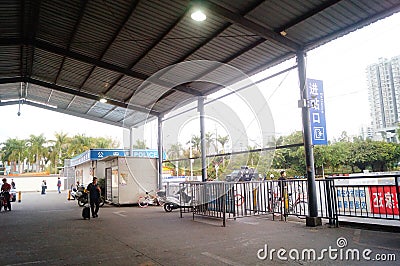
113 38
251 26
218 32
72 35
14 102
89 60
22 34
12 41
88 96
110 111
154 44
352 27
63 111
86 59
11 80
307 15
34 24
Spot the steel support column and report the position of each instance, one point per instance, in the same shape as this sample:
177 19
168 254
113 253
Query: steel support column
160 151
312 219
131 141
200 107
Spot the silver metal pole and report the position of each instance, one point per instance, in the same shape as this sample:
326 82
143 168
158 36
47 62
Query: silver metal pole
131 141
160 152
202 137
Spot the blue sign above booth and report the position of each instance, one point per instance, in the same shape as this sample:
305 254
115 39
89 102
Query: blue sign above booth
98 154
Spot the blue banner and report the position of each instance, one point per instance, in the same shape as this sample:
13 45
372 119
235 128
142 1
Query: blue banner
98 154
316 106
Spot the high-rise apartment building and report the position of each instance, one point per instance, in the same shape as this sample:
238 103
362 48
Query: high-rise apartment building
383 80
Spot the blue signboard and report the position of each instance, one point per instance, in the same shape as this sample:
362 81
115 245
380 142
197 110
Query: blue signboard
315 92
98 154
147 153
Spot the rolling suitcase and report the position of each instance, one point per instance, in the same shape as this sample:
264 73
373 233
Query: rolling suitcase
86 212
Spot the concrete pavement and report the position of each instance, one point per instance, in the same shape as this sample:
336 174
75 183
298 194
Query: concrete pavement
49 230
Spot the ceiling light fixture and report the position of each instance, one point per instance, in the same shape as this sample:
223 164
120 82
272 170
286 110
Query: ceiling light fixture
198 15
103 100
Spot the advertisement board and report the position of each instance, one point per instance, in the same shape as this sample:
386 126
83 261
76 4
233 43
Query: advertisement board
384 200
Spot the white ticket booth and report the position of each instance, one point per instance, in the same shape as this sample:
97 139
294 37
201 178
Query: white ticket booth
129 177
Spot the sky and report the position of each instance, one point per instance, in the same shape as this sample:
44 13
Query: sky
340 64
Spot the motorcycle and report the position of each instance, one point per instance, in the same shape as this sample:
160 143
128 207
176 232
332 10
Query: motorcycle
174 202
76 193
84 199
3 201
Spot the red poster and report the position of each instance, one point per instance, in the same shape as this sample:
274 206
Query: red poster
384 200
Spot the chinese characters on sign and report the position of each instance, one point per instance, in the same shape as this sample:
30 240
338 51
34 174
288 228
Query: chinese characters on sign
354 199
317 111
384 200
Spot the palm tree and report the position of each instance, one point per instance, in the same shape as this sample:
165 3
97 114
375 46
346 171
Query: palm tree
174 152
195 142
140 144
58 149
223 141
79 144
104 143
209 140
36 144
14 151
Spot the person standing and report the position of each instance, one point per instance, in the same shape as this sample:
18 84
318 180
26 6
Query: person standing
282 183
94 195
43 187
5 188
59 185
12 184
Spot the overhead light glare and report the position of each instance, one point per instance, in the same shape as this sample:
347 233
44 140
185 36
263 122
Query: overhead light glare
198 15
103 100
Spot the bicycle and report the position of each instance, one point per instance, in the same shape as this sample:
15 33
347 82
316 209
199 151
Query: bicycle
157 199
286 205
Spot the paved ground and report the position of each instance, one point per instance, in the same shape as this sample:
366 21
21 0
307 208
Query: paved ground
49 230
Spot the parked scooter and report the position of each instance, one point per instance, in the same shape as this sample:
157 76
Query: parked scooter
173 203
76 192
84 199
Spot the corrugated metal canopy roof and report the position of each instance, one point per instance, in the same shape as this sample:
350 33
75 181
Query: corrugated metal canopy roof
69 54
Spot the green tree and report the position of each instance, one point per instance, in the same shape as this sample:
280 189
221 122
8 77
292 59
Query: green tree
140 144
195 142
14 150
36 145
174 153
209 140
223 140
58 151
79 143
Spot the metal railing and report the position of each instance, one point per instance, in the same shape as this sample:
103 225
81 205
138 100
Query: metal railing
364 196
368 196
232 200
